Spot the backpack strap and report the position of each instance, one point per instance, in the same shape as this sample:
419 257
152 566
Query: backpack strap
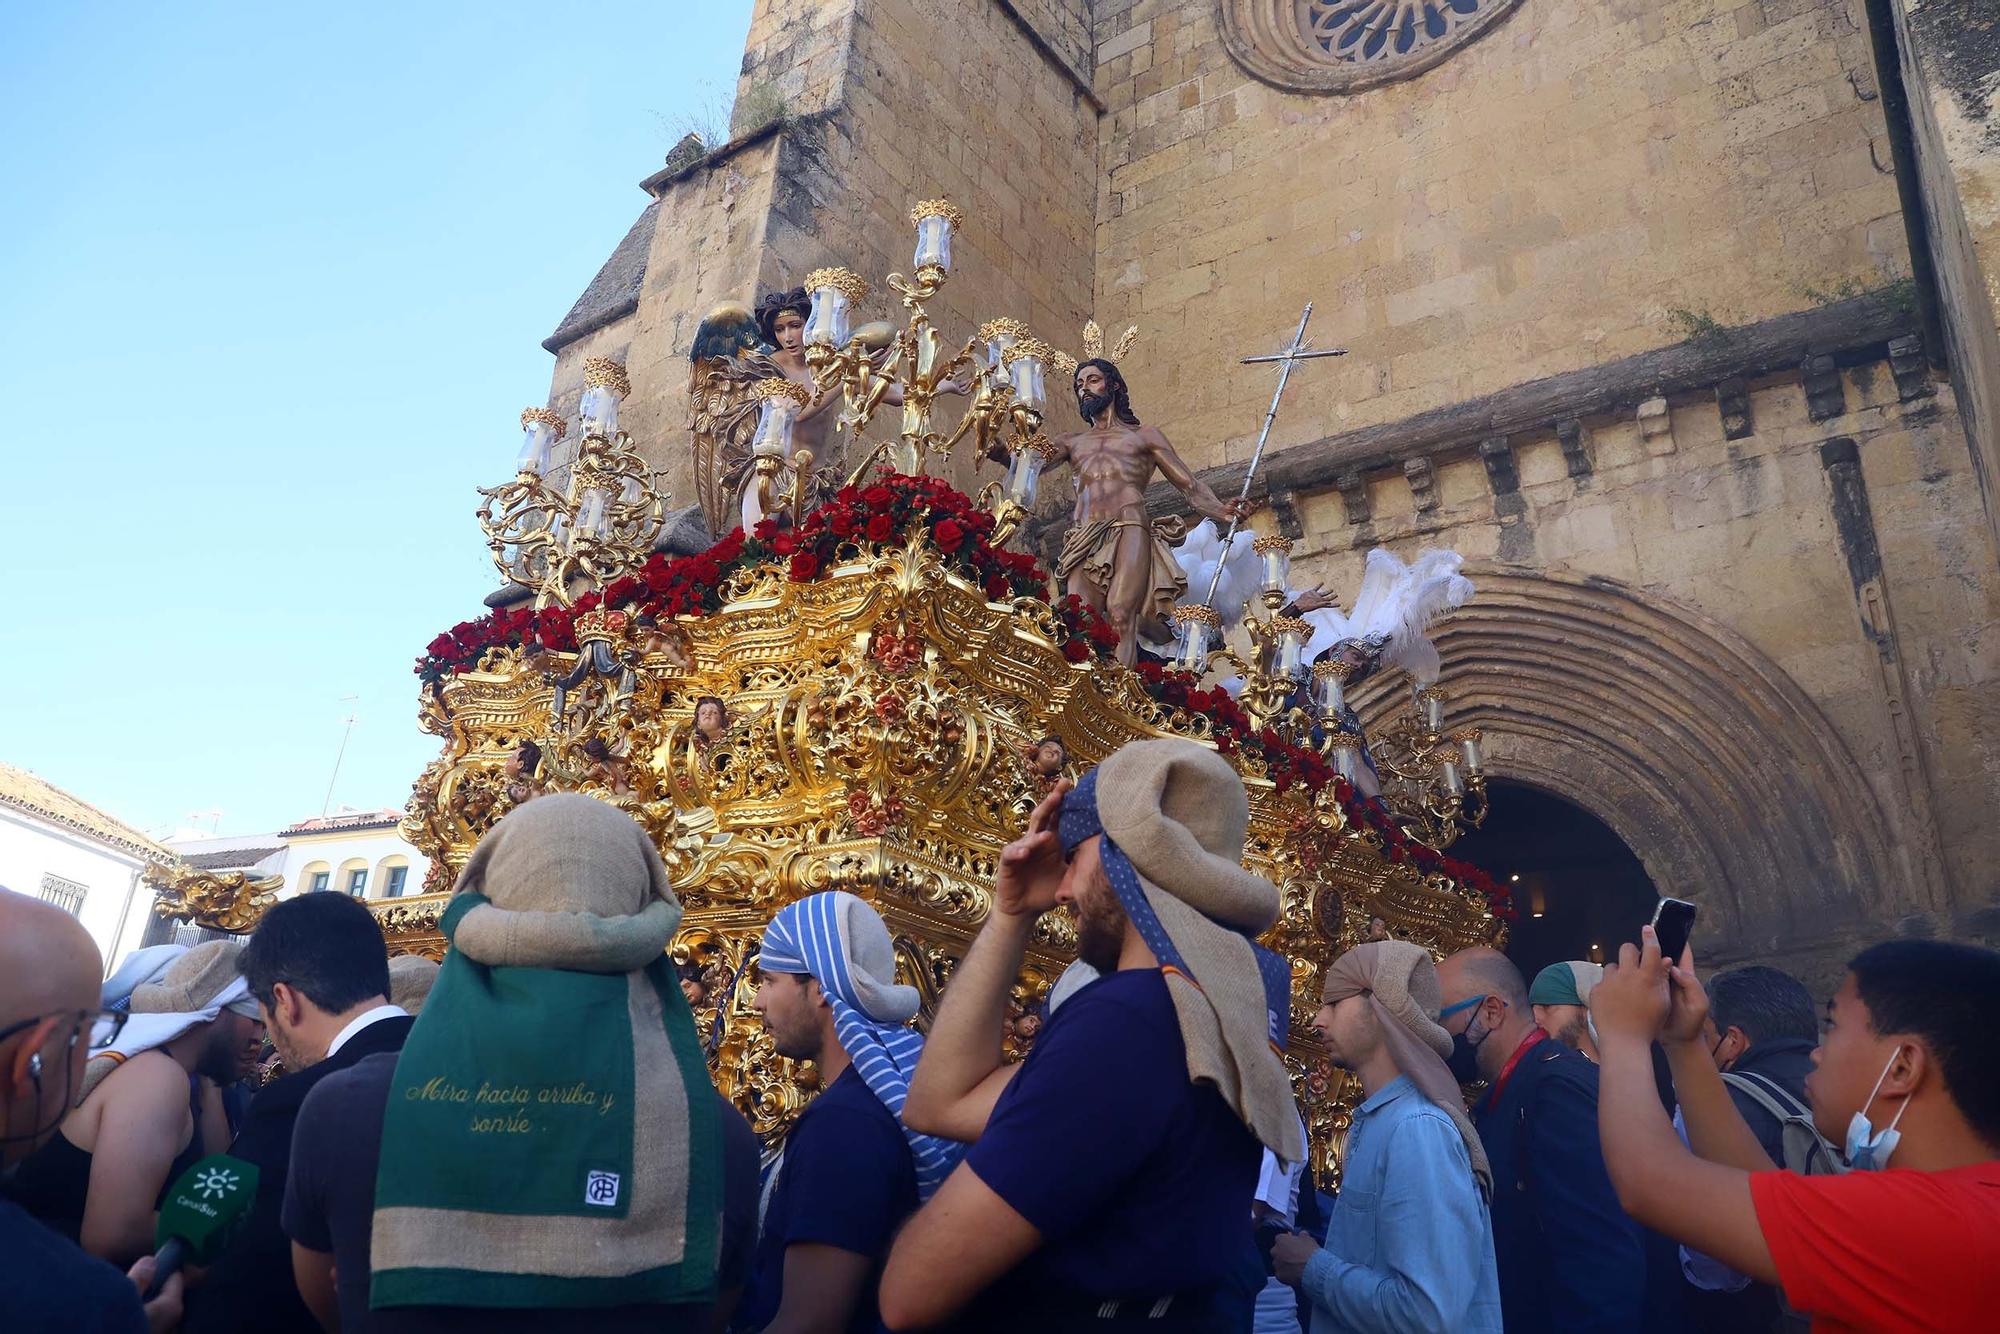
1768 1094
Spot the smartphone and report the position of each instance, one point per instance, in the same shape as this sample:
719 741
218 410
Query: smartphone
1673 923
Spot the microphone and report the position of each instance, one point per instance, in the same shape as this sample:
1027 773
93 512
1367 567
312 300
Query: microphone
200 1214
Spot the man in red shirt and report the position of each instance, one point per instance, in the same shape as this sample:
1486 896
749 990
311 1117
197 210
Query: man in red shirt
1906 1076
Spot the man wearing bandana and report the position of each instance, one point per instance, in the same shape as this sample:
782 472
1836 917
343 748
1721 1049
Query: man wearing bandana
1108 1174
850 1173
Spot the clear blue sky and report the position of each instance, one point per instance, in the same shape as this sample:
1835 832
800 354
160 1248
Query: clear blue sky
273 283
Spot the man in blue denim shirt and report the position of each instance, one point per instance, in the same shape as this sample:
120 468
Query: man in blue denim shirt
1410 1247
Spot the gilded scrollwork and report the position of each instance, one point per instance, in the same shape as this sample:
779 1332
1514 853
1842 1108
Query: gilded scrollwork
219 900
870 739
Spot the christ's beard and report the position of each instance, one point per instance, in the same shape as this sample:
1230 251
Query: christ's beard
1092 405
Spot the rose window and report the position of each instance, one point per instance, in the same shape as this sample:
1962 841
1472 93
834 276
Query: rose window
1344 46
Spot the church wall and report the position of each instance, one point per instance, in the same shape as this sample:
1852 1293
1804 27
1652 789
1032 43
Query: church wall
1887 621
1537 202
708 247
1950 67
886 102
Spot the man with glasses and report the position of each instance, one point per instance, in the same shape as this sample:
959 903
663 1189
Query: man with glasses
48 1020
150 1106
1568 1256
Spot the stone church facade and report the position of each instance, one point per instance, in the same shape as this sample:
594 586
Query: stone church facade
1676 317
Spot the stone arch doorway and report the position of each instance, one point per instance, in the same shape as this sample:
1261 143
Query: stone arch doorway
1696 750
1579 888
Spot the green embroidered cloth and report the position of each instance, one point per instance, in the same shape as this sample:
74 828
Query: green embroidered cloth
551 1140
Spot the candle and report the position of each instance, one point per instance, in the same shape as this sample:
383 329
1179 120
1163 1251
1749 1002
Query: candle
604 388
1198 625
780 404
1430 704
541 430
1292 634
834 292
1025 363
995 337
1024 472
935 219
1330 685
1276 553
1345 754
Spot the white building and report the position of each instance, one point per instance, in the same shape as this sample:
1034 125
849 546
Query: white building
60 848
355 852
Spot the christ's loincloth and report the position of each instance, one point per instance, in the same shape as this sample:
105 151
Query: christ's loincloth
1091 546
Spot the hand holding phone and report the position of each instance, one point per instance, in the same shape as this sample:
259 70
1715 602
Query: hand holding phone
1673 923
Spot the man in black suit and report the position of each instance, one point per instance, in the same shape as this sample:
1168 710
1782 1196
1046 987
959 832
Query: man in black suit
319 967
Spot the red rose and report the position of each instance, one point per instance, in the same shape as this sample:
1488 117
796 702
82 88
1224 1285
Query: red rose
997 588
950 536
877 497
804 566
783 544
1074 650
841 524
880 527
766 529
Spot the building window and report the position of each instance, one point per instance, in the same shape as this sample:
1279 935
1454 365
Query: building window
319 881
357 882
65 894
394 889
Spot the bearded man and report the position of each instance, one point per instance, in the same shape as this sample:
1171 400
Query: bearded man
1110 1170
1116 557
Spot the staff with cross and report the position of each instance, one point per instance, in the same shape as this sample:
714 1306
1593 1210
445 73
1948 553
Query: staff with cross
1286 358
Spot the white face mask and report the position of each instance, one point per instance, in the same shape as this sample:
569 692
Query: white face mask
1868 1151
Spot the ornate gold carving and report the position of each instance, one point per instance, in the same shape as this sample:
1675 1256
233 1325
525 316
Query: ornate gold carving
777 387
845 281
219 900
875 718
606 373
937 208
546 418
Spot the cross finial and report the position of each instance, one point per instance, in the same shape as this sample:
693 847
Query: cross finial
1290 356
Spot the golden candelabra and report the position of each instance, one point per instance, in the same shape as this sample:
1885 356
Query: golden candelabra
558 543
1432 781
1002 369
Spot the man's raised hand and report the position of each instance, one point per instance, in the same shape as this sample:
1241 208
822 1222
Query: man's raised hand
1687 1002
1630 1003
1033 865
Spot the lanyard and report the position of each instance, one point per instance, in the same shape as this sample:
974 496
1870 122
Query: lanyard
1535 1035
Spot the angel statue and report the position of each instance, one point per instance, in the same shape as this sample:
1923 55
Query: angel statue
734 351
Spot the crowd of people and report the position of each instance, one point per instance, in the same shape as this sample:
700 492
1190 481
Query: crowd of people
527 1138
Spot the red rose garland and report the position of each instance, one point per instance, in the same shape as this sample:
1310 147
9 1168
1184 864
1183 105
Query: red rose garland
886 511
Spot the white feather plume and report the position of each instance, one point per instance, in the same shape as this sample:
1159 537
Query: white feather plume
1201 551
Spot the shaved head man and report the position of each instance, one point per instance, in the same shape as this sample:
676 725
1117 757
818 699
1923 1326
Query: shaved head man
1568 1256
49 1015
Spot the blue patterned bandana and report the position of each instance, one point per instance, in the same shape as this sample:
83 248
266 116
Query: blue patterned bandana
1079 821
806 937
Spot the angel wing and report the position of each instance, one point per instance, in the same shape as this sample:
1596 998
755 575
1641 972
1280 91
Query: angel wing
1401 603
727 359
1202 550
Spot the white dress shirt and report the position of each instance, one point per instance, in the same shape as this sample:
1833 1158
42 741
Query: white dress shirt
361 1021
